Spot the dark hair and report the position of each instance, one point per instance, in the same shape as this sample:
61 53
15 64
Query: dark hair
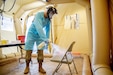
51 9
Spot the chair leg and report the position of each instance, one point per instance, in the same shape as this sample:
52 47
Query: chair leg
75 66
68 64
69 68
57 68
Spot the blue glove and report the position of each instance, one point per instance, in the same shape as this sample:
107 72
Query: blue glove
48 41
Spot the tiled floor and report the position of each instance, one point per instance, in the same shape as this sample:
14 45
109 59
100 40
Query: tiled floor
16 68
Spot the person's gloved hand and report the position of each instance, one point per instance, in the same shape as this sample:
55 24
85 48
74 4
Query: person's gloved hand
48 41
48 44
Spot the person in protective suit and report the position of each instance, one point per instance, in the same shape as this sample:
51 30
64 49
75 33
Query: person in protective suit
37 34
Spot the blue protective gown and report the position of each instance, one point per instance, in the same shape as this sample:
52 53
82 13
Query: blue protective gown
36 32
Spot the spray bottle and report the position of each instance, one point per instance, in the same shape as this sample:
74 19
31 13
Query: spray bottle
41 45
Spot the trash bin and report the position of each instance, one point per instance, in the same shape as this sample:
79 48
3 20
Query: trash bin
21 38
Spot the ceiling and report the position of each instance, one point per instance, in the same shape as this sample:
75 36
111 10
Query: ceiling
27 4
23 2
17 4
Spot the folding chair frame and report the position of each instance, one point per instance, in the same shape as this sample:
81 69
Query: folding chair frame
67 61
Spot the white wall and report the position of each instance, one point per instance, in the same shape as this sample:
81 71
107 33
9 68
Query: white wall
10 36
80 35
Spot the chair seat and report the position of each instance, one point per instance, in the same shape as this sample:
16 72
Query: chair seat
58 58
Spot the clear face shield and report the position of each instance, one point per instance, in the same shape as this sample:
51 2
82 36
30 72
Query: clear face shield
51 11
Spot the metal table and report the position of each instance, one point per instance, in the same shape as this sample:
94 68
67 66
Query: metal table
17 44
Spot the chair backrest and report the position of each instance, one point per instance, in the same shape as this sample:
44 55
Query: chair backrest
67 56
71 46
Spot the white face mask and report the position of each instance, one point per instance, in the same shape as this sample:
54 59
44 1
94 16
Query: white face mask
50 15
